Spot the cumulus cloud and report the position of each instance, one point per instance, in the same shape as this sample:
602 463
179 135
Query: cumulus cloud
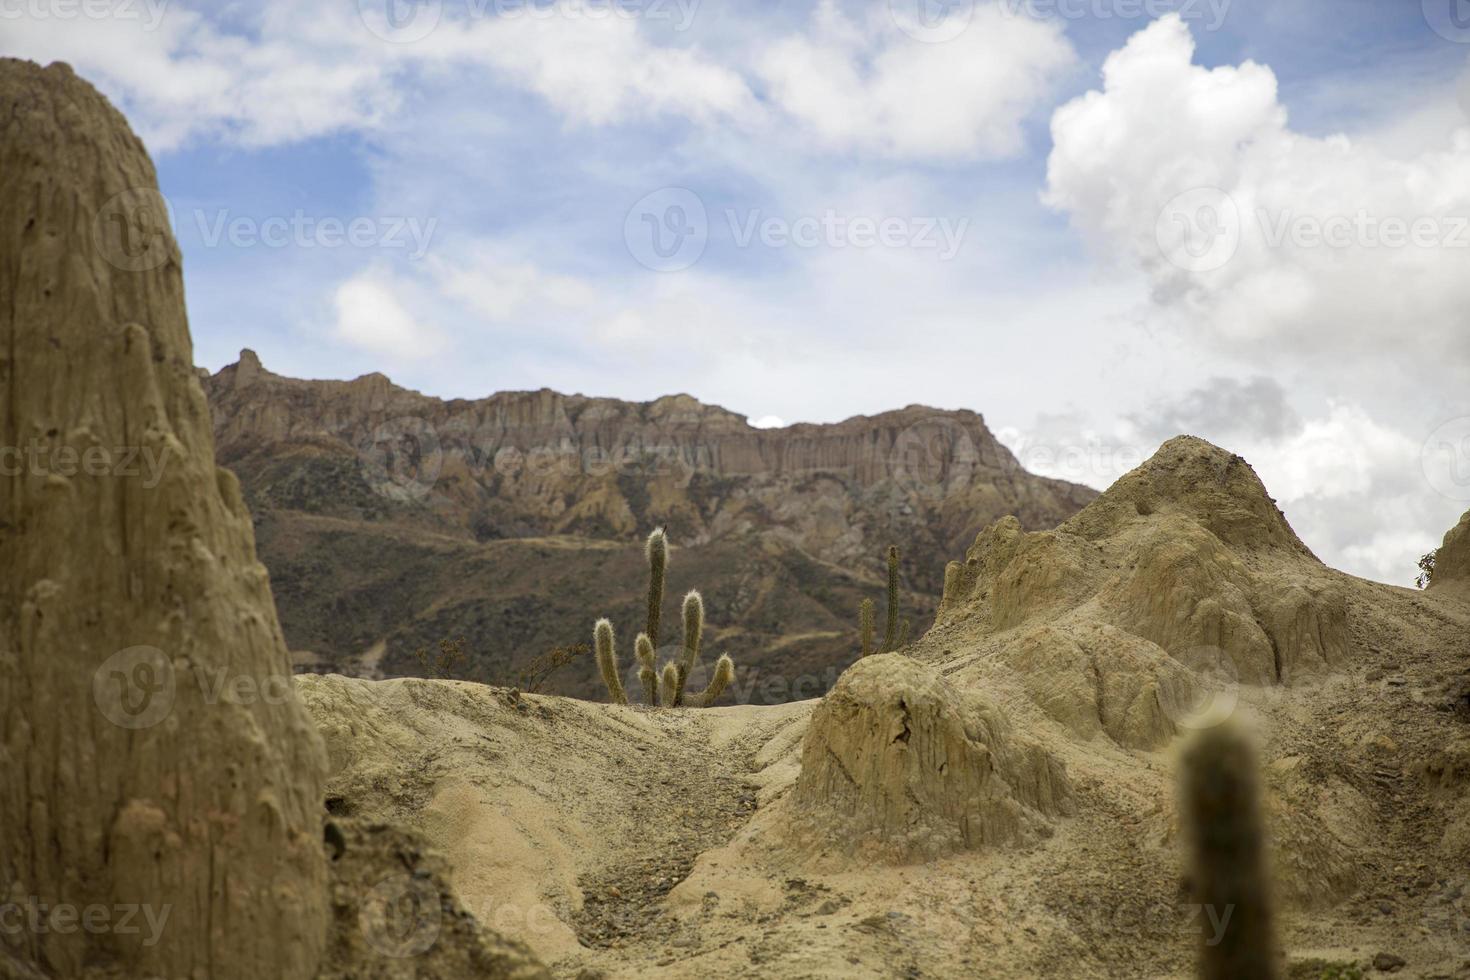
274 75
177 74
872 88
371 316
1322 245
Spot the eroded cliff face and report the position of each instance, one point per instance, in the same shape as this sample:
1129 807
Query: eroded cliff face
539 462
156 764
351 480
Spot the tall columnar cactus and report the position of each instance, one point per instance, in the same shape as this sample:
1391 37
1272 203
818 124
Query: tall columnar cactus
657 550
647 669
865 617
693 630
662 687
890 629
724 674
669 689
1222 817
607 660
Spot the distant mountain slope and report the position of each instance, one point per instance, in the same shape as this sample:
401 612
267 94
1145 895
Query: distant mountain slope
389 519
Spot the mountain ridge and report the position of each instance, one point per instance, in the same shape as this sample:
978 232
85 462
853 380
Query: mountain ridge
800 516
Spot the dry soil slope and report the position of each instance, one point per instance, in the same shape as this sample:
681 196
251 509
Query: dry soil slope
716 843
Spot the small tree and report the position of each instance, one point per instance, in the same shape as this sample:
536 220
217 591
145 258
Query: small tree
1426 569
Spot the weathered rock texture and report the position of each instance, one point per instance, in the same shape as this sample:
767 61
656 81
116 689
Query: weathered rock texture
900 764
153 753
1452 563
390 520
1185 566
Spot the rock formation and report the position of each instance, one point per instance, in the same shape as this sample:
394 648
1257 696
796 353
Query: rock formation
899 764
379 509
1452 562
154 754
1183 566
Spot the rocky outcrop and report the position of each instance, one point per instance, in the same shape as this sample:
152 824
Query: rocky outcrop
154 756
1183 568
539 462
1452 561
900 765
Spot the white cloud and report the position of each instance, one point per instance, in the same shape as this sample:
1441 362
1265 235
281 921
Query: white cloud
872 88
287 75
1162 126
370 316
179 75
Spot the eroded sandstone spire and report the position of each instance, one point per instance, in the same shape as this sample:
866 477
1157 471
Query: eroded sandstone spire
153 753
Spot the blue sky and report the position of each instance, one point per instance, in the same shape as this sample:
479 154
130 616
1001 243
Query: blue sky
501 167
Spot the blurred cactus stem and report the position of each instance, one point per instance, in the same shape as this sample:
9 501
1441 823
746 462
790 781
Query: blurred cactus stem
647 669
607 660
724 675
657 550
865 617
693 630
890 629
1223 827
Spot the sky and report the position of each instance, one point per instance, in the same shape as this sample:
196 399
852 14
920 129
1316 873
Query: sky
1099 223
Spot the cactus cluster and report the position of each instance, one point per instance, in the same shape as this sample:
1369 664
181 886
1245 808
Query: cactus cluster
662 687
896 630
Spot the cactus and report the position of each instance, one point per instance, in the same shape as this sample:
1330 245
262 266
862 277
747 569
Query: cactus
890 630
657 550
647 669
724 674
865 617
693 629
1222 816
670 688
662 687
607 660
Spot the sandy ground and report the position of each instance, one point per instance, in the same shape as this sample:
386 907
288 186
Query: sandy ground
620 841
